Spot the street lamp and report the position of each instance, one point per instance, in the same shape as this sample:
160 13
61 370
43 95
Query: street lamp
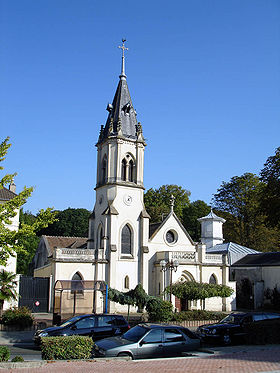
172 266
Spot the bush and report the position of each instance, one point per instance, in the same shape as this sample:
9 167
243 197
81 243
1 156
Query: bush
20 317
159 310
198 315
64 348
17 359
4 353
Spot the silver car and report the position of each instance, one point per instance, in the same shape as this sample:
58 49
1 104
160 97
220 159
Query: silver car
148 341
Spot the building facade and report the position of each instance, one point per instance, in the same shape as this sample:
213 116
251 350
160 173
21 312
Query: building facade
123 247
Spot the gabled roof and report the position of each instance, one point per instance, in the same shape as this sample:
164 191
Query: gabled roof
233 250
6 194
53 242
155 227
259 260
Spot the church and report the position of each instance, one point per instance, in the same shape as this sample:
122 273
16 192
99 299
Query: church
123 249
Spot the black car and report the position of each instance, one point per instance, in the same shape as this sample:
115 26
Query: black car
232 327
95 326
148 341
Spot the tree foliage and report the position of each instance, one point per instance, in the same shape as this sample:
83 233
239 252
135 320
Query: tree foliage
8 286
70 223
270 176
11 241
157 201
191 213
192 290
239 201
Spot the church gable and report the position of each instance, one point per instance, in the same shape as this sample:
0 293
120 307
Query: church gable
171 233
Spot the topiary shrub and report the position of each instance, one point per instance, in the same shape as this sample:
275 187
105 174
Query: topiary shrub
20 317
198 315
4 353
159 310
64 348
17 359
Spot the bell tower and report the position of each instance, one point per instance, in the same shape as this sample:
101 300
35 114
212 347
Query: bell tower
118 230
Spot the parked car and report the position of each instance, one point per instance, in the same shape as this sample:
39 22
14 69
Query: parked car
148 341
93 325
233 327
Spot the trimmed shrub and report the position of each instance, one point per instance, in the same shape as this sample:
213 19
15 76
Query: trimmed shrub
17 359
159 310
4 353
64 348
20 317
198 315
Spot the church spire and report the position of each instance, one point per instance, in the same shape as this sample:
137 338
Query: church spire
123 76
122 121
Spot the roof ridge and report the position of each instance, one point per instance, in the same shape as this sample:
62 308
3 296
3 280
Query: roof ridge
65 236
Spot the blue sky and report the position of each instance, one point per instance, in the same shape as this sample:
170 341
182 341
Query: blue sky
204 76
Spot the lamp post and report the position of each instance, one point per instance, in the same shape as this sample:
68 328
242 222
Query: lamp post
171 266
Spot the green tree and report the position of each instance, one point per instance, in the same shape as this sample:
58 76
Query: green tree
240 199
8 285
11 241
270 175
191 290
191 213
70 223
157 201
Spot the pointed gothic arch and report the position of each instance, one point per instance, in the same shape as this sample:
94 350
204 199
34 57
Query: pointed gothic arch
104 170
128 168
186 276
126 240
213 279
126 282
99 236
77 283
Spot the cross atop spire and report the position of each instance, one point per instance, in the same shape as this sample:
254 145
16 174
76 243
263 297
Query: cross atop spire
123 59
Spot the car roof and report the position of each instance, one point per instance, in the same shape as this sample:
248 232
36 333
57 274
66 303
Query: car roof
159 325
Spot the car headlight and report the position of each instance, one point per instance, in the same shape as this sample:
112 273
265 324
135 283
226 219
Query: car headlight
43 334
214 331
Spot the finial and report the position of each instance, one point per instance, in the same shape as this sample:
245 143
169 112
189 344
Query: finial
172 201
123 58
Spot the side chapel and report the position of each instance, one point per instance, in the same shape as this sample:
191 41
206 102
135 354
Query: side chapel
123 248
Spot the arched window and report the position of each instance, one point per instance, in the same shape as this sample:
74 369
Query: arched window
130 170
99 237
126 282
126 243
104 170
123 170
77 284
212 279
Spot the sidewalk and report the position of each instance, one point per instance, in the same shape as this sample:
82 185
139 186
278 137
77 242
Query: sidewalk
263 359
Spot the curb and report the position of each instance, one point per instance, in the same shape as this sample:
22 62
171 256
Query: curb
24 364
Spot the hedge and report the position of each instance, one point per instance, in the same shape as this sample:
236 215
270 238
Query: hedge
20 317
4 353
64 348
198 315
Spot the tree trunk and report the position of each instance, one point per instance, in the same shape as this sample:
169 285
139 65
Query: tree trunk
1 307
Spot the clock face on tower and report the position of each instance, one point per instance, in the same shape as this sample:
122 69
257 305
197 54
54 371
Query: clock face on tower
127 199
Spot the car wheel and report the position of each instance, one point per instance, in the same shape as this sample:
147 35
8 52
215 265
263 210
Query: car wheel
227 339
126 355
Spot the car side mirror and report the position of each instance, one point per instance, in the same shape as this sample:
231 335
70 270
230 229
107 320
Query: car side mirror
141 343
73 327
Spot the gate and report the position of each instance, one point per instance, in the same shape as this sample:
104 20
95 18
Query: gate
34 293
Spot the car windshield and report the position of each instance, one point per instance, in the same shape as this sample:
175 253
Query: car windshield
231 319
135 333
70 321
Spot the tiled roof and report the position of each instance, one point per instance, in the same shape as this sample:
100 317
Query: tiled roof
6 194
212 216
153 227
66 242
259 260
